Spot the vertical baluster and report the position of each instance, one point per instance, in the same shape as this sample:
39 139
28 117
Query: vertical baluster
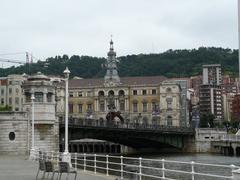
163 168
52 156
84 162
121 167
140 168
192 165
95 163
107 165
75 161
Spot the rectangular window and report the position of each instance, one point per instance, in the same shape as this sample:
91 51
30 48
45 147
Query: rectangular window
38 97
134 92
10 91
89 93
17 100
70 106
2 92
102 106
135 107
80 94
144 92
122 106
154 91
80 108
70 94
49 97
89 107
2 101
144 106
10 101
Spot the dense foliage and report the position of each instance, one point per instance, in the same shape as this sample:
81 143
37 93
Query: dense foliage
172 63
5 108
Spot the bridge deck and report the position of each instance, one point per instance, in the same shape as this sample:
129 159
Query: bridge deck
19 168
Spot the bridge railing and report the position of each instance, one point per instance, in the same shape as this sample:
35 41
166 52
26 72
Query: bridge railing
231 137
144 168
127 125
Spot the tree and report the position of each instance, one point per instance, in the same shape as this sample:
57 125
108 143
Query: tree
206 120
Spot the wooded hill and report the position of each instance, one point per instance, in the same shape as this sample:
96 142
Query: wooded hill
172 63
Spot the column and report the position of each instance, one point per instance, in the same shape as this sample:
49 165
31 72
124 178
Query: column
105 104
44 95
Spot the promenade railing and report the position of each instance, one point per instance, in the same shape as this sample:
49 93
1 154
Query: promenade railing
144 168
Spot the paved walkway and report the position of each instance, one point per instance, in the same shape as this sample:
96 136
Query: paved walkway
19 168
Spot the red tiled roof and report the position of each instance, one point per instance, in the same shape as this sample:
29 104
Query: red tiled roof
125 81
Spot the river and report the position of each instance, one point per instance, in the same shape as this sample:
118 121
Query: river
187 157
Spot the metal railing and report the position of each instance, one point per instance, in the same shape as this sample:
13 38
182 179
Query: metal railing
77 122
143 168
231 137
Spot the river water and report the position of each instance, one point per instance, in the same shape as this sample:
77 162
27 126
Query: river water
114 163
200 158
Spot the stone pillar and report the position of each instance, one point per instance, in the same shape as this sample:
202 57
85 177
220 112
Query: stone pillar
105 106
45 96
97 105
127 105
115 103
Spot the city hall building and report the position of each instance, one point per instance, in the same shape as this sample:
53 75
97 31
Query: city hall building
147 100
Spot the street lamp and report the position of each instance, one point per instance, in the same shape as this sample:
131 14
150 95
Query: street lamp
66 154
32 147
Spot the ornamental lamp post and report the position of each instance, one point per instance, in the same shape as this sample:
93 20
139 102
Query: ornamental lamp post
66 154
32 154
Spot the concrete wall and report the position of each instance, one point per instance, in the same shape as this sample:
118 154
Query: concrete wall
16 123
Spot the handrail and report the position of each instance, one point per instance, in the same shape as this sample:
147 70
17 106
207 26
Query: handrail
141 167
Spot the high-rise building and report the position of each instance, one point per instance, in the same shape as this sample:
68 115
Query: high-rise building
212 74
210 98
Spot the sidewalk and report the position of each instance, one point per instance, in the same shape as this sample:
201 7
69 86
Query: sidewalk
19 168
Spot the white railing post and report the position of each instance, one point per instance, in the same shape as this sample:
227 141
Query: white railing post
163 168
107 165
84 162
95 163
140 168
52 155
75 161
192 165
121 167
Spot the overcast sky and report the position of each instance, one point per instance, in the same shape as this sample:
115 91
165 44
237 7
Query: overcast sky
83 27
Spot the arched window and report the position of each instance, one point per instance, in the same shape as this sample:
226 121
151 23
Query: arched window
101 93
121 93
111 93
169 90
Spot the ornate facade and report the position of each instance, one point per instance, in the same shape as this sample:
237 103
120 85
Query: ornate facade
148 100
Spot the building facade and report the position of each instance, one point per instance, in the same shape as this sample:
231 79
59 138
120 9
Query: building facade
148 100
11 91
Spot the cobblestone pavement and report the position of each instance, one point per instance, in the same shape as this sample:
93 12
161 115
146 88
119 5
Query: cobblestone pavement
20 168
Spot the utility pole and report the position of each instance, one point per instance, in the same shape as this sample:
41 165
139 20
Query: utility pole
238 40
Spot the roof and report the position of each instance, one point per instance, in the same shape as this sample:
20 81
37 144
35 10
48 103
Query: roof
125 81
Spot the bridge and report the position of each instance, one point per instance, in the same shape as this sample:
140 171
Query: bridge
135 135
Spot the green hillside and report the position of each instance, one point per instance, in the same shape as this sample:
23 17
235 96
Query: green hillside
172 63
